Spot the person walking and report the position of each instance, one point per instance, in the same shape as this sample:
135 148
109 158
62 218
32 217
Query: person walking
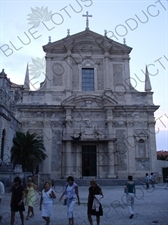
2 192
46 202
17 200
130 193
147 180
30 197
152 180
71 192
94 205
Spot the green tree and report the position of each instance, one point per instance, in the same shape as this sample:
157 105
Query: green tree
28 150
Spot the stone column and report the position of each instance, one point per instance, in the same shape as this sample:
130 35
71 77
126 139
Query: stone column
68 74
127 80
131 148
68 150
68 159
126 73
106 67
47 137
79 161
111 160
48 79
49 71
152 146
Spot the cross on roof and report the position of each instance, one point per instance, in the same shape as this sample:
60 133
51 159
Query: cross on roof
87 20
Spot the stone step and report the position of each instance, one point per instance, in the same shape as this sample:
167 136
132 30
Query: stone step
101 182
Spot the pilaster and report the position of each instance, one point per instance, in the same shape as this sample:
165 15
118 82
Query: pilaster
111 159
130 145
47 137
68 147
68 74
48 72
152 146
126 79
106 68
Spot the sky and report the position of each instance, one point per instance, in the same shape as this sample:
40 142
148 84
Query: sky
25 26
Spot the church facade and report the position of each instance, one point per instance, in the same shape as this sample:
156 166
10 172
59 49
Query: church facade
93 122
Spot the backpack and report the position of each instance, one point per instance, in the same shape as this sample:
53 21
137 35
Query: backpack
147 179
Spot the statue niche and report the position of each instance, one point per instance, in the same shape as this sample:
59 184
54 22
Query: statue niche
141 149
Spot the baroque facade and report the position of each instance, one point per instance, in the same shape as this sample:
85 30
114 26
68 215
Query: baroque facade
93 122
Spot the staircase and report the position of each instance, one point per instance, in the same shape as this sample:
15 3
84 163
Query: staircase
101 182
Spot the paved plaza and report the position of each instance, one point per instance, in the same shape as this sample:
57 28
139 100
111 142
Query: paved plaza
151 207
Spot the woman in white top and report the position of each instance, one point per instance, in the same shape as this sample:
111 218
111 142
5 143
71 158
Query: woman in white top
46 202
71 192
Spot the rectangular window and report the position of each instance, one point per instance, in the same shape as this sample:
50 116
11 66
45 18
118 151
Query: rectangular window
88 79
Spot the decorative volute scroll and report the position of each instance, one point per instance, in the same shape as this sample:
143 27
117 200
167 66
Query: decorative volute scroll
46 123
151 123
24 123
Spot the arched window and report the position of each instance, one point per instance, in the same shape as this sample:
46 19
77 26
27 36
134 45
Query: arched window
3 143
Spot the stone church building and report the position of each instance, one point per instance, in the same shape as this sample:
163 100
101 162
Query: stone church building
93 122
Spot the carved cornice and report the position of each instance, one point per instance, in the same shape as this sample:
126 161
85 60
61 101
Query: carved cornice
126 58
142 136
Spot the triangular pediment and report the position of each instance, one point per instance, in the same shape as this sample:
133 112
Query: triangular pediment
85 101
86 40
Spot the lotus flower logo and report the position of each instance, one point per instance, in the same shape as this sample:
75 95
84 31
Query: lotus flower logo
38 67
37 70
39 15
